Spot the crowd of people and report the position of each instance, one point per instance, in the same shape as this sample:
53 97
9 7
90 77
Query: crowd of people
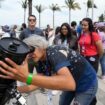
66 59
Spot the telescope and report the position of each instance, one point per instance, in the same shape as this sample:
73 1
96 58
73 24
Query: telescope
17 51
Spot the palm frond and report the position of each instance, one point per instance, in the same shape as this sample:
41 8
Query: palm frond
71 4
40 8
89 4
55 7
24 4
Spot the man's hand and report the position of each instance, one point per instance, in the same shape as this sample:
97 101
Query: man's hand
14 71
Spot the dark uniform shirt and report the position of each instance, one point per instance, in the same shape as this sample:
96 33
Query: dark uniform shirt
60 56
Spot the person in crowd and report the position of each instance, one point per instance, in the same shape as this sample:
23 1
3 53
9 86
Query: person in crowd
13 31
47 30
51 37
90 45
78 30
6 28
54 34
31 29
101 32
57 31
1 32
23 26
73 27
95 26
5 31
59 68
66 37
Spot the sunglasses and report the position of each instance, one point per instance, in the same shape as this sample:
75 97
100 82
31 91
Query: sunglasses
31 20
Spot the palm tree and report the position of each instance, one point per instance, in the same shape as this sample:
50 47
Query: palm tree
90 5
54 7
24 6
30 7
39 9
71 4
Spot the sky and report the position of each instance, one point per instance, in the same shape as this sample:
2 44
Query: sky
11 12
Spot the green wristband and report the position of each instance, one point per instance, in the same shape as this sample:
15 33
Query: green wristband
29 79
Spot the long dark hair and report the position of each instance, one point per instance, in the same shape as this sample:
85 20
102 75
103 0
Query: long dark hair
91 27
63 37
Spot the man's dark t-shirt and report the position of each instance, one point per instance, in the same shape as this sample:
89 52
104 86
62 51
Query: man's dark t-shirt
27 32
59 56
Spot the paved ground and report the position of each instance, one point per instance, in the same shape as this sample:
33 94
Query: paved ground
101 90
42 99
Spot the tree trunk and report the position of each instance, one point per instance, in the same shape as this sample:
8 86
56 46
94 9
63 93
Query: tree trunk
53 19
92 9
87 13
39 20
30 7
69 16
24 15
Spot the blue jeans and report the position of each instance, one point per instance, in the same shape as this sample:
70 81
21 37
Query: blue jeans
102 62
83 98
